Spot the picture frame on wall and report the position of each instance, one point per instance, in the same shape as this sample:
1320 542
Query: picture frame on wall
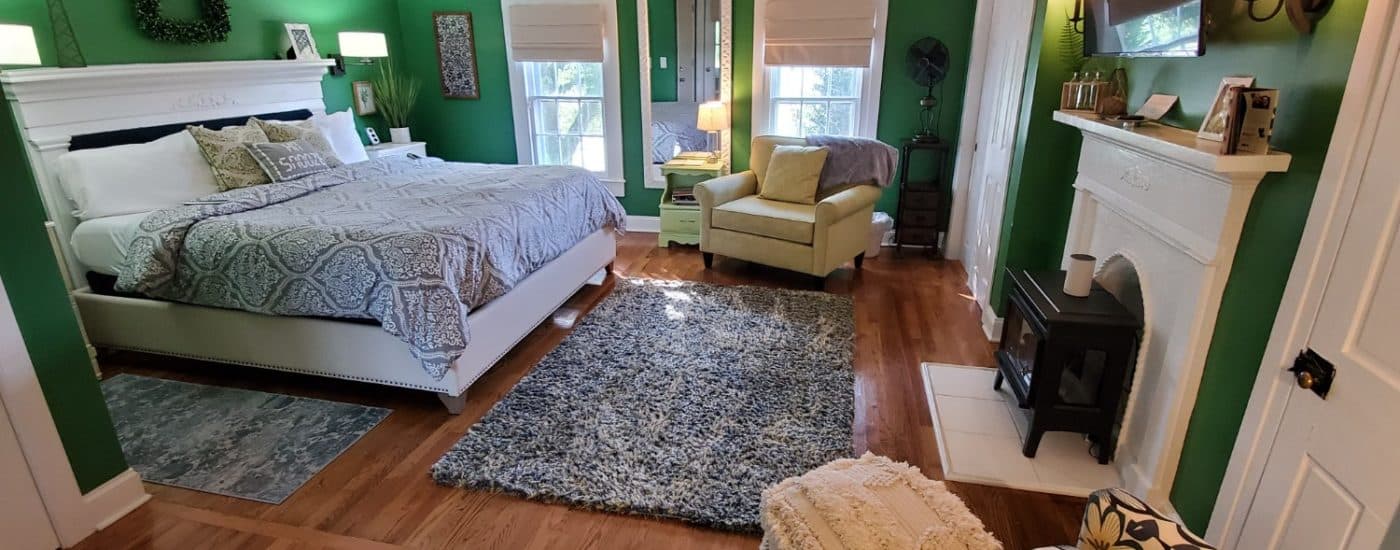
456 47
363 93
303 44
1217 122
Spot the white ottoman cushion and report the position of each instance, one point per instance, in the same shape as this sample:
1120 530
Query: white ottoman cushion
870 502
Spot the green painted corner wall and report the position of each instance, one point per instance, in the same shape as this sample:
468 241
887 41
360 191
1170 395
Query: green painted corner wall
1311 73
909 20
661 30
47 323
106 32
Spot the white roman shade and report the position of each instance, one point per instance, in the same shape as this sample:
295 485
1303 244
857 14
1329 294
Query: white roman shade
825 33
556 32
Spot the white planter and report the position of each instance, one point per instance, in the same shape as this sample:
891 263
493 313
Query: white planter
400 135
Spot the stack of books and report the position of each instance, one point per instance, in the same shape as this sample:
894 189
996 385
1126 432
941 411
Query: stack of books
684 197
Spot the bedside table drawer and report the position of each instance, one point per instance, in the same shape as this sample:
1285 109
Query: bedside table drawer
680 221
922 200
917 236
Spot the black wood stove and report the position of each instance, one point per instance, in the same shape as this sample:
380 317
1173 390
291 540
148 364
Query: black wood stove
1067 359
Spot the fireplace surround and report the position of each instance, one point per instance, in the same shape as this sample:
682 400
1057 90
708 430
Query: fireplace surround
1165 210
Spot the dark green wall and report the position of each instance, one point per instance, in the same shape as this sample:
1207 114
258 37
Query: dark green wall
909 20
106 31
661 15
1311 72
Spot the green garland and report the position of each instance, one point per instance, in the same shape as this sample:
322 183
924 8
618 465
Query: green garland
213 27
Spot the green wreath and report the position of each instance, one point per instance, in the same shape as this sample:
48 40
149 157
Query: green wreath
213 27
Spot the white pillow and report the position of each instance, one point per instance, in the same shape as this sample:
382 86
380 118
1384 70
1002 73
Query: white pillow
339 129
128 179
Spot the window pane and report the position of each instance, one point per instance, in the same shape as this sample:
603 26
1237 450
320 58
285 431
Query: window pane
546 112
843 118
593 117
815 100
594 152
787 119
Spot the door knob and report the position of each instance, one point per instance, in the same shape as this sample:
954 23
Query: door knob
1306 380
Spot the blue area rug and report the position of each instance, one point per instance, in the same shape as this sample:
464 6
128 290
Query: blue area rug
240 443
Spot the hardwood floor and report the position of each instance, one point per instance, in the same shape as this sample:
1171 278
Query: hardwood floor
378 494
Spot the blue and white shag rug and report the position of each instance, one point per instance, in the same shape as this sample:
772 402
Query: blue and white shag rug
674 399
239 443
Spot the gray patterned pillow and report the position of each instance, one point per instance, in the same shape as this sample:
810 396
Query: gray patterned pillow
288 160
233 167
281 132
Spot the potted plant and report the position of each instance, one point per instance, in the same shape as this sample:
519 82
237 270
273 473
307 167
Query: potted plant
394 94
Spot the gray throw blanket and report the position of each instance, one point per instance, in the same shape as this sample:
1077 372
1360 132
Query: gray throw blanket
412 243
855 160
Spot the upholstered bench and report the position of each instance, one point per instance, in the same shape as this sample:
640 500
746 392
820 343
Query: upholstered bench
870 502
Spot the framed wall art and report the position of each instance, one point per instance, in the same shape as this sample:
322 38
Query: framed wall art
363 92
456 47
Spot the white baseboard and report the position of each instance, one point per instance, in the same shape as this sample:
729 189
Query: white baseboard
114 499
644 224
991 324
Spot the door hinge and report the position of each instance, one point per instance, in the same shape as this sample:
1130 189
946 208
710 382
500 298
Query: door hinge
1313 372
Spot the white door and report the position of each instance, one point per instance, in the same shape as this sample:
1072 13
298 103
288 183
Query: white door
1000 108
24 523
1332 478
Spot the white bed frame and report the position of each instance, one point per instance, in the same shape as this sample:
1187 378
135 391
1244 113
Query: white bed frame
53 105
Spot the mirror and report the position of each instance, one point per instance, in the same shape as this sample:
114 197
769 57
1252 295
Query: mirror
688 46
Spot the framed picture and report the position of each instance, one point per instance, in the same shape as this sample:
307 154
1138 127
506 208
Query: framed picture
1217 118
456 46
303 44
364 97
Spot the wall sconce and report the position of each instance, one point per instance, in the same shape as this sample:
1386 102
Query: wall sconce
1077 20
366 46
17 45
1304 14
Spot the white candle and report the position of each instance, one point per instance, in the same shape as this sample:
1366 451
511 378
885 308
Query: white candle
1080 277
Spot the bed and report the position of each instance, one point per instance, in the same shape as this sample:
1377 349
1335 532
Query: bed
497 242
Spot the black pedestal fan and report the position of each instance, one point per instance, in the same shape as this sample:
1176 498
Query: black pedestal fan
927 65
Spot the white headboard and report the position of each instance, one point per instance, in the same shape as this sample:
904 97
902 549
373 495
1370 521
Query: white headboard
52 105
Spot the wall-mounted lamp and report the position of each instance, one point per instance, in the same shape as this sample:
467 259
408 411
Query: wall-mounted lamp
1077 20
364 46
1304 14
17 45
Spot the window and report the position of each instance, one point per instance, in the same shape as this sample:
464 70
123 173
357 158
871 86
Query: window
566 113
817 66
815 100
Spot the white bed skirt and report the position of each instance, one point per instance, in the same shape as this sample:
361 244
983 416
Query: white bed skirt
341 349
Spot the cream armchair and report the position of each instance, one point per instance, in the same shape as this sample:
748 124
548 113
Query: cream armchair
812 239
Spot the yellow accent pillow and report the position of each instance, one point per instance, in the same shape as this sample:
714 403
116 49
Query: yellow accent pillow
793 173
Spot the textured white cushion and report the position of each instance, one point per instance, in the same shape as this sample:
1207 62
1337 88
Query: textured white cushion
868 503
339 128
128 179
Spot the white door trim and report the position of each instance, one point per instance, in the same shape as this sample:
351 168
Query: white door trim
74 515
1371 72
967 132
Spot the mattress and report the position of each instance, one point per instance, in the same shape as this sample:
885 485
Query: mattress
101 244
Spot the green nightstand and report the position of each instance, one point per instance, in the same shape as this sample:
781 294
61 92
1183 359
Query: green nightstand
680 223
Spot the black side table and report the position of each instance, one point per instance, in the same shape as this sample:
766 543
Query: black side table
923 199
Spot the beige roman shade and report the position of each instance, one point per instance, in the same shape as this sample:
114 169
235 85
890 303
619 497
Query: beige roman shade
826 33
556 32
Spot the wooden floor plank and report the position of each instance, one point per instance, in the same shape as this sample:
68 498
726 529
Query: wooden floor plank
379 495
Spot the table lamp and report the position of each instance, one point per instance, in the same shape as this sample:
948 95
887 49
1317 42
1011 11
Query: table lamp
713 118
17 45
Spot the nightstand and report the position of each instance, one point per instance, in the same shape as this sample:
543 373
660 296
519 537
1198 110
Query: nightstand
384 150
680 223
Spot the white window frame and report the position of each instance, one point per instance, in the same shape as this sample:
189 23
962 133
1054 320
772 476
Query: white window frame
614 176
868 112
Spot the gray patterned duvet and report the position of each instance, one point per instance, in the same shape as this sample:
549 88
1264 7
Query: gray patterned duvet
412 243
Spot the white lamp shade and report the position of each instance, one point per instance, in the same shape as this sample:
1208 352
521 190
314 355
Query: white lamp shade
713 117
363 44
17 45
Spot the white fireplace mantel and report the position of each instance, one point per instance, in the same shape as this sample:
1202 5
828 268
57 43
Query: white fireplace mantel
1174 207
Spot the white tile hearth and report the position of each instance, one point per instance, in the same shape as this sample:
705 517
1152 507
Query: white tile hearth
980 430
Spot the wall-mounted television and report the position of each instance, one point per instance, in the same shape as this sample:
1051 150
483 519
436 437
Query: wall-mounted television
1143 28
